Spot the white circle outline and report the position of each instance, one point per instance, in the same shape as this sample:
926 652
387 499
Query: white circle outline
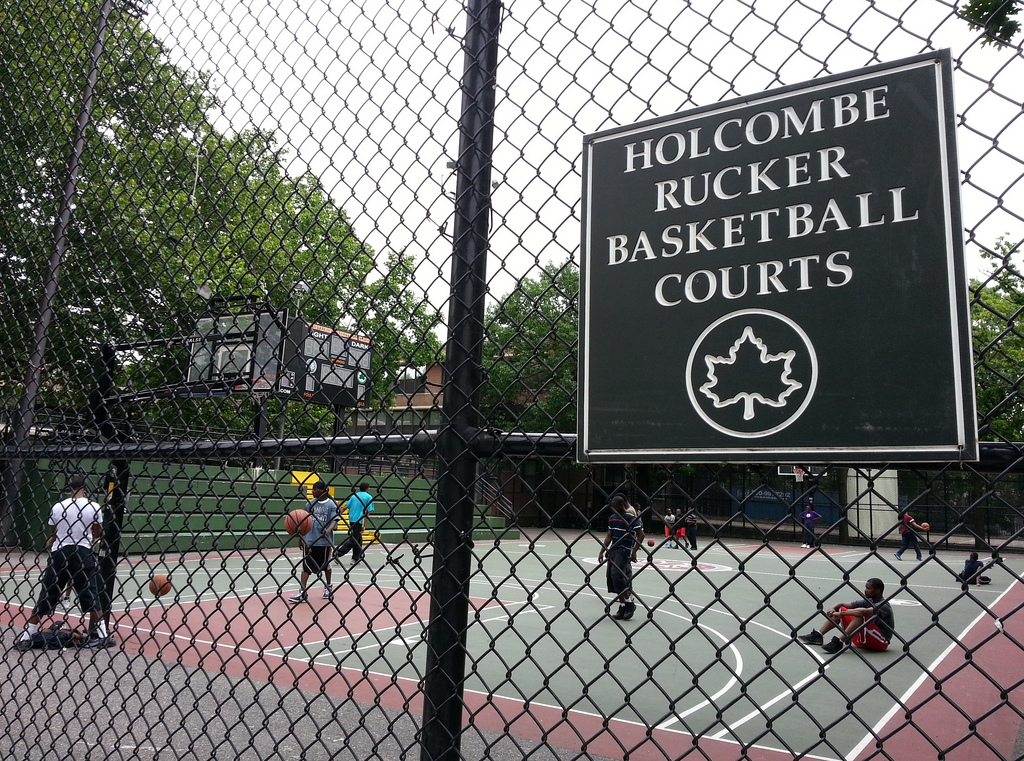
811 386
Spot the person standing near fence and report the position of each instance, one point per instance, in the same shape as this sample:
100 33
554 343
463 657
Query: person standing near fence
625 535
807 519
908 533
359 507
76 525
318 542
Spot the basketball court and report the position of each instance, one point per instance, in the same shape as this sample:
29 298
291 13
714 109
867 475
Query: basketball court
718 626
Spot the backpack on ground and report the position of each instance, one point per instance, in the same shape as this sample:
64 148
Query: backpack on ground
57 637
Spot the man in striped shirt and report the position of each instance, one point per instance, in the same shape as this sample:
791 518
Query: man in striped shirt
625 535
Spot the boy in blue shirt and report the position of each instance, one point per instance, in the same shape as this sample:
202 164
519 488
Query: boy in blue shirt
972 571
318 542
359 506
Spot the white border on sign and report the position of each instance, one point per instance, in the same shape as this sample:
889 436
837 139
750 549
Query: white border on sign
915 453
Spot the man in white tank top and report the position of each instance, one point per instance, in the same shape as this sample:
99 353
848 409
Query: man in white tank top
76 524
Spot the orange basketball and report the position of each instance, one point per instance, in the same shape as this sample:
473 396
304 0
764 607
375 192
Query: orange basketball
650 542
926 526
298 522
160 584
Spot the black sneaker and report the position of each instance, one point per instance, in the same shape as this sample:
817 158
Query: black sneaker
300 597
812 638
23 643
99 642
628 610
834 646
620 614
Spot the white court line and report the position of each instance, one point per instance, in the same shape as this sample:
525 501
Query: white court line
708 609
174 635
490 695
274 651
873 734
726 688
507 614
561 709
395 641
781 696
697 610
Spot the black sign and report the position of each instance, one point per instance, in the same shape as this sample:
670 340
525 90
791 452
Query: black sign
780 278
328 366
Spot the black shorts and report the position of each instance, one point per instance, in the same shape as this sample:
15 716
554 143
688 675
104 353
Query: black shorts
620 571
316 559
77 566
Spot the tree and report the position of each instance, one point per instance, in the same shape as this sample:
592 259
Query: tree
995 17
997 308
44 55
166 203
530 354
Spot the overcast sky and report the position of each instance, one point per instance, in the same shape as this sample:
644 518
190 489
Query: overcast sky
365 96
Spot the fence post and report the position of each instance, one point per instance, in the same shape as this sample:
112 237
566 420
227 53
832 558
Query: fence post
25 420
444 678
113 526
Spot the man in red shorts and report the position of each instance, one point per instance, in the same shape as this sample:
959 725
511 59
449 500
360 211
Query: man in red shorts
867 623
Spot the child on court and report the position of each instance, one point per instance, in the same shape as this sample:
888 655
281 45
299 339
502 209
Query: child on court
669 520
807 519
359 507
318 542
972 571
680 532
908 534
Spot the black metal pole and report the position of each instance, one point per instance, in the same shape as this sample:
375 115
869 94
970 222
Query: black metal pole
113 524
104 367
444 678
260 421
33 372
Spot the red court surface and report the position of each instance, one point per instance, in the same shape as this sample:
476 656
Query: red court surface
350 647
266 638
977 681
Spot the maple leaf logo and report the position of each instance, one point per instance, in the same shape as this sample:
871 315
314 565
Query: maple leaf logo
749 363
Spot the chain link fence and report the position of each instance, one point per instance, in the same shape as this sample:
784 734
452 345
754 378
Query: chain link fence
249 247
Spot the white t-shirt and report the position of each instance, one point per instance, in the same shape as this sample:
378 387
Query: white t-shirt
74 518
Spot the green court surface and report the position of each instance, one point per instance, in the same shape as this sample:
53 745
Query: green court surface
709 657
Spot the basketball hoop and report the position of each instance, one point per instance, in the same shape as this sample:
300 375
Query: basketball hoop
799 474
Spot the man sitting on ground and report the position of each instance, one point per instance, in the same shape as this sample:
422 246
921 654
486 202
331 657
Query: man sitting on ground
972 571
867 623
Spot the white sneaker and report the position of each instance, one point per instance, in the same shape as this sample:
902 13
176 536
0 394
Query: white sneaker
300 597
328 593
